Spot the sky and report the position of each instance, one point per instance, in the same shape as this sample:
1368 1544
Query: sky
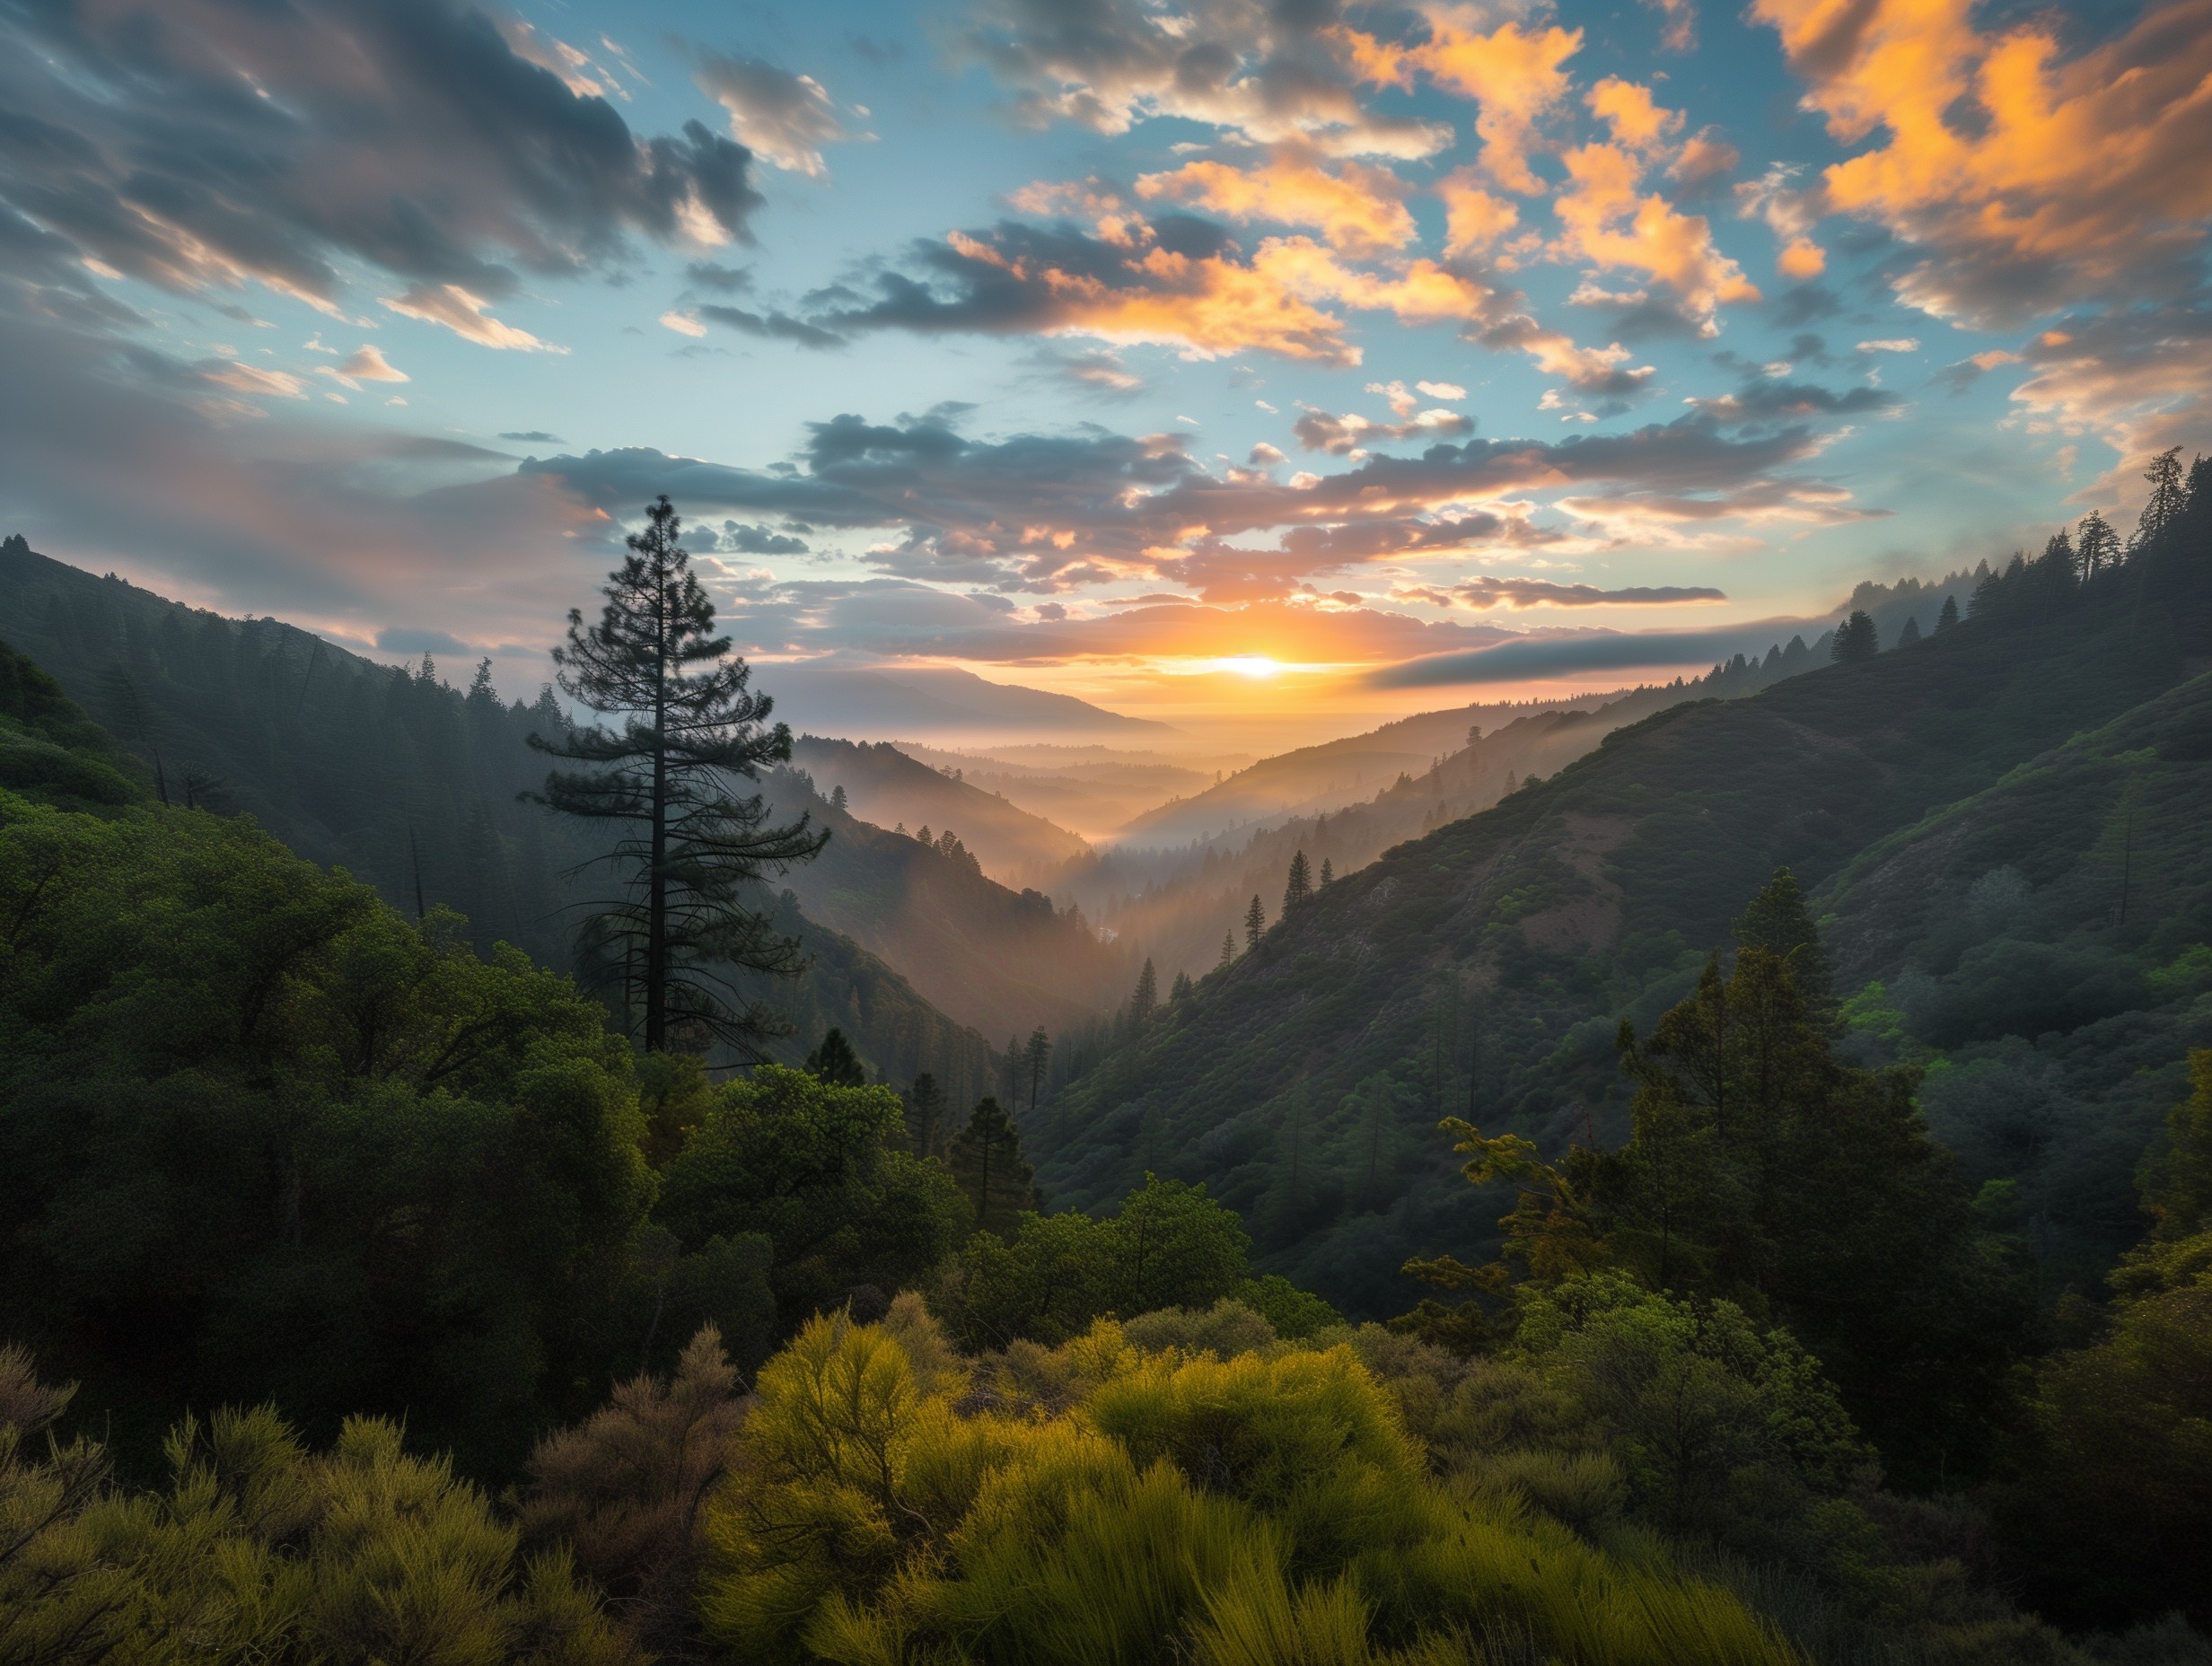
1198 357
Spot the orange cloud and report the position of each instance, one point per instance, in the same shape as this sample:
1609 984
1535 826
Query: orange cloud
1629 110
2036 181
1515 74
1355 208
1473 218
1605 220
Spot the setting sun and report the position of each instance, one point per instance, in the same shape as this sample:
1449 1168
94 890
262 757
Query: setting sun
1256 665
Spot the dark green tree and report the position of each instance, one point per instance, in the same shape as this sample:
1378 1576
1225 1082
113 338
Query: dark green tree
1179 990
2167 500
1777 921
1300 885
679 919
1765 1172
1255 923
1228 948
1328 871
1948 619
835 1063
1146 997
925 1114
1039 1055
987 1163
2096 545
1910 634
1856 640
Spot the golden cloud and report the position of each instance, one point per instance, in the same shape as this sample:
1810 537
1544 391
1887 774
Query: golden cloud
2037 181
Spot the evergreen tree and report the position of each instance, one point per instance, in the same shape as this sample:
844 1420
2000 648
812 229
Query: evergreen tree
1910 634
925 1114
837 798
1778 922
1179 990
1300 885
1039 1055
1856 640
834 1062
1147 997
1327 872
1763 1169
678 923
2168 498
2097 547
1948 619
987 1163
1255 923
1228 949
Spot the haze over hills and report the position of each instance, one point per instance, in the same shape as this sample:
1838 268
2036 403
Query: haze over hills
1483 967
1091 790
1001 960
884 785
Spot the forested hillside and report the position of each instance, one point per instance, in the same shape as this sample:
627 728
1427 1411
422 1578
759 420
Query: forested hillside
1482 970
408 783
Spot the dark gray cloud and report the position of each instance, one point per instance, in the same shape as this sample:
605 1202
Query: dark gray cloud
533 436
1558 655
773 326
1267 69
1045 512
197 144
1772 400
1490 592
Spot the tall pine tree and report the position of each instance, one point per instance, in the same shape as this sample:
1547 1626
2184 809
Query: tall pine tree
1146 997
1300 885
676 923
987 1162
1255 923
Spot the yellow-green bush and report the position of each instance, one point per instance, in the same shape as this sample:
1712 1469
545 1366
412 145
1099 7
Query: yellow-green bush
1105 1504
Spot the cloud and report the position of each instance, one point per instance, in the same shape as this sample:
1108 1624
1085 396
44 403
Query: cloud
1515 74
1356 209
1774 400
252 379
1474 218
1318 431
365 363
771 326
533 436
412 140
2032 177
2140 380
736 538
1265 73
1056 514
783 117
1488 591
464 314
1892 343
1605 219
1442 389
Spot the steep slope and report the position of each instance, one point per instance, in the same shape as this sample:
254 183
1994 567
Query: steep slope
51 752
2044 949
1482 969
885 786
406 782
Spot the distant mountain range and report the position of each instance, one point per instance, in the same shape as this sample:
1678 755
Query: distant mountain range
941 704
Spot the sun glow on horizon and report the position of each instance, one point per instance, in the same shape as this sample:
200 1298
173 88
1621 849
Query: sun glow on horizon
1258 666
